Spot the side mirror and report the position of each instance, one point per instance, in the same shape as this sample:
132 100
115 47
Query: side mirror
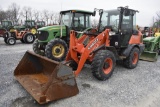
94 13
135 32
100 11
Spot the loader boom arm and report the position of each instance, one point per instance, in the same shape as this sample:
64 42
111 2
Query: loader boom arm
77 47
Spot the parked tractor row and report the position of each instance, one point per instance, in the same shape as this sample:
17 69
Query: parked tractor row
24 36
25 33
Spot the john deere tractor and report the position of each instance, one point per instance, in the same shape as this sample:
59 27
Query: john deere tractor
29 24
152 48
53 40
5 26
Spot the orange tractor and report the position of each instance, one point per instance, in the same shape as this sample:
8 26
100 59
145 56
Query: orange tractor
24 36
115 39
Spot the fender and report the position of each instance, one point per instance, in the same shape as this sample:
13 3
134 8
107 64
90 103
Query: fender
127 51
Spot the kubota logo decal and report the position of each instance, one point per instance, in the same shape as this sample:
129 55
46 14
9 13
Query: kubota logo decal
93 43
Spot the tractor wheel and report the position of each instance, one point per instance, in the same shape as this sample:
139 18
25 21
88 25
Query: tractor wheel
103 64
56 49
36 48
11 40
33 31
132 60
29 38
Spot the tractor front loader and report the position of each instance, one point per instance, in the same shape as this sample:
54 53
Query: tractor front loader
152 48
47 80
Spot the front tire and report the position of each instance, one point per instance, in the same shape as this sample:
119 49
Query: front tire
36 48
132 60
11 40
103 64
56 49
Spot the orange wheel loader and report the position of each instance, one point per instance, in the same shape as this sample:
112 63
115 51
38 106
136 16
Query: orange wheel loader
114 39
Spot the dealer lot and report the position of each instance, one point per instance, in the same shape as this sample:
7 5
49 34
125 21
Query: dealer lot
139 87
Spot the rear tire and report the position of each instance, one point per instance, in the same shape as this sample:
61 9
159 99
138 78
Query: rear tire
11 40
56 49
103 64
29 38
132 60
36 48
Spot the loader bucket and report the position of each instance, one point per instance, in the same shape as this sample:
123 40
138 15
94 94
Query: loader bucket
149 56
44 79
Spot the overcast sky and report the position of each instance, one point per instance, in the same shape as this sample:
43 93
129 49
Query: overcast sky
147 8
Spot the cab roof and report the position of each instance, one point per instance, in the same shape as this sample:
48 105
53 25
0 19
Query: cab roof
77 11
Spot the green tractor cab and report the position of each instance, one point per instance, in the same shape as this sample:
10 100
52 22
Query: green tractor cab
152 48
29 24
6 25
40 24
53 40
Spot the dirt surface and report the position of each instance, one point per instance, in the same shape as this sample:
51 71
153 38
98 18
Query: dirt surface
139 87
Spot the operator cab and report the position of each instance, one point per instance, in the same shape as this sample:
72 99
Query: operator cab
6 23
121 22
77 20
30 23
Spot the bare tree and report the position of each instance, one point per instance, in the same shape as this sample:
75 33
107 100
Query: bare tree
51 17
156 20
27 13
36 15
14 12
94 23
158 16
2 14
56 18
46 15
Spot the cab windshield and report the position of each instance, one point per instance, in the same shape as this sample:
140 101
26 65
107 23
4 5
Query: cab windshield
109 19
29 23
66 19
76 21
40 23
5 23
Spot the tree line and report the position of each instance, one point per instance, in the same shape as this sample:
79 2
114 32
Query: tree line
17 15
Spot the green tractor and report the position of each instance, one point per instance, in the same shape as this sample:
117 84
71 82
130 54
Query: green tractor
53 41
152 48
29 24
40 24
6 25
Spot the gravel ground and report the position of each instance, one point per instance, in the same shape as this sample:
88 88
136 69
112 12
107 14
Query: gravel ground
139 87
